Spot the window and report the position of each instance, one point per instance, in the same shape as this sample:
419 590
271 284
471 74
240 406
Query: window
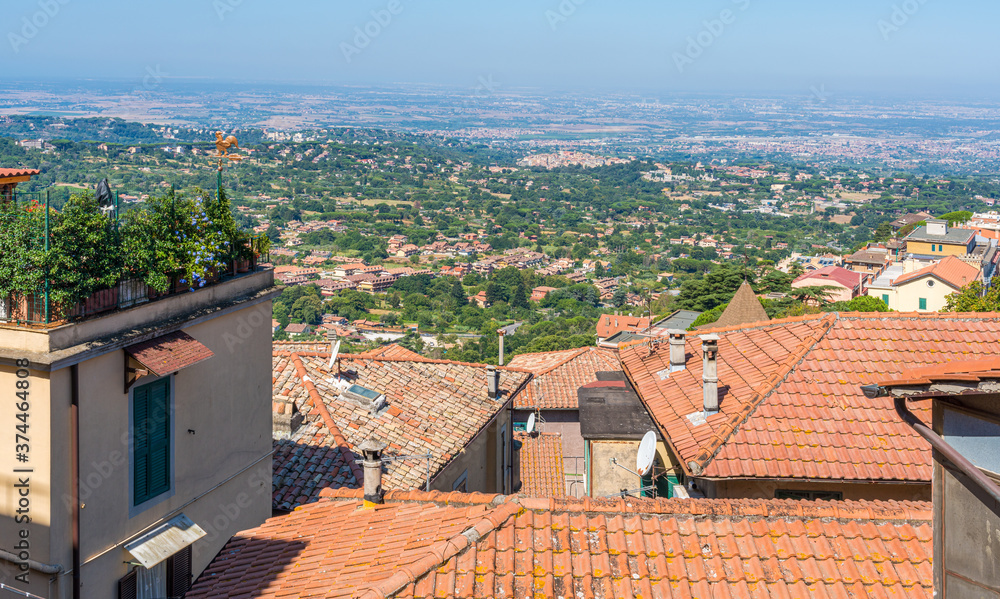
151 432
809 495
923 303
171 578
930 282
461 483
885 298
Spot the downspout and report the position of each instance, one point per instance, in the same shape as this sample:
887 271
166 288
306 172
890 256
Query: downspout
950 453
74 377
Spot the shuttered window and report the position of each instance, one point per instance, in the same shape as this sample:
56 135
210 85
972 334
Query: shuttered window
151 440
179 573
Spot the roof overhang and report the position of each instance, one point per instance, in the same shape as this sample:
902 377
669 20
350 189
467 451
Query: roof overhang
165 540
163 355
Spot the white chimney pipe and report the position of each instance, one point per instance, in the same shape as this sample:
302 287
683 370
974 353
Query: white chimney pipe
501 333
678 358
710 372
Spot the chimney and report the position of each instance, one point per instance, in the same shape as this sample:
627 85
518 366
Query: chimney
937 226
678 360
710 372
285 418
492 381
372 450
501 333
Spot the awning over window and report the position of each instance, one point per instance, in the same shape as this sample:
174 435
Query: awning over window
165 540
169 353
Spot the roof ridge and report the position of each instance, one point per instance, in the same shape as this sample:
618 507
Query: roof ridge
414 496
885 510
419 360
576 354
317 401
439 553
762 324
729 428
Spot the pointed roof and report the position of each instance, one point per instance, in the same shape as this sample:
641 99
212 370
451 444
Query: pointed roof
743 309
791 405
951 271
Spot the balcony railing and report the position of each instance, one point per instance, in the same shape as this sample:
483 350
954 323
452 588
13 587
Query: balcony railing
38 309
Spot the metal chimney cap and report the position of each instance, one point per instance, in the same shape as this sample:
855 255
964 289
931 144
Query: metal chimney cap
371 446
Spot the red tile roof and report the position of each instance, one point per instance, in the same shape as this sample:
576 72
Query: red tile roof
169 353
464 546
18 172
950 270
541 461
434 406
559 374
790 402
832 274
393 351
609 324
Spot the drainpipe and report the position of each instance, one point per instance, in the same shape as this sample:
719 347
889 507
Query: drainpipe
74 378
950 453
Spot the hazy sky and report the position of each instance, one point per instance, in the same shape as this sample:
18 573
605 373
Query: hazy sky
882 46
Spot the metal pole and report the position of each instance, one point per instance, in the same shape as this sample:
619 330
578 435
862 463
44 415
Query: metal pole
428 473
47 312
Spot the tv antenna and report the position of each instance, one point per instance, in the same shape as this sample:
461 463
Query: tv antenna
530 427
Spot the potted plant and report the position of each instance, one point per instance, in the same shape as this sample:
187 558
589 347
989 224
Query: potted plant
142 252
22 257
83 257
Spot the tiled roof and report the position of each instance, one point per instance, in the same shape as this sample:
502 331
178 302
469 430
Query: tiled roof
434 406
559 374
950 270
790 402
393 351
169 353
541 460
743 309
18 172
463 546
303 468
832 274
609 324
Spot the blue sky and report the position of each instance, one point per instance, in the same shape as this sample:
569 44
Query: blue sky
931 46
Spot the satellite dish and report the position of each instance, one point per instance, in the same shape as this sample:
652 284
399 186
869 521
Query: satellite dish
333 354
647 452
530 428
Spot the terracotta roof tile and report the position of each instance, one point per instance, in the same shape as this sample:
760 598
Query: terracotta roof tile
950 270
559 374
541 460
169 353
456 545
433 406
18 172
790 394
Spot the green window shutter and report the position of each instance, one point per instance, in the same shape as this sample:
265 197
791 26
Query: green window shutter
923 303
151 444
885 298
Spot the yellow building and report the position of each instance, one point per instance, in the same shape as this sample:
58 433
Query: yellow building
938 240
139 443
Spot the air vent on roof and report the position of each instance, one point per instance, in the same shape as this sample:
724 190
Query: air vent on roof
364 398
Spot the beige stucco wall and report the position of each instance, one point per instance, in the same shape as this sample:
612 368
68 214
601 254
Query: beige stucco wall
924 249
482 460
908 295
226 402
604 478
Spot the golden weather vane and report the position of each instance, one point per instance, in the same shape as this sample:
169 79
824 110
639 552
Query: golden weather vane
222 145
